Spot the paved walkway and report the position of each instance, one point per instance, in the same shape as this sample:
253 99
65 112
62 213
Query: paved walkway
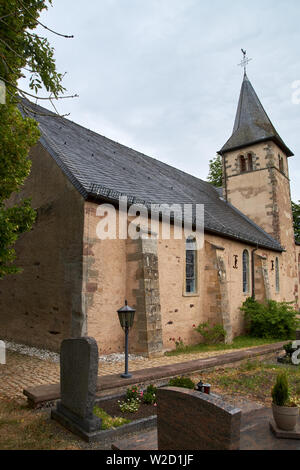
22 371
255 435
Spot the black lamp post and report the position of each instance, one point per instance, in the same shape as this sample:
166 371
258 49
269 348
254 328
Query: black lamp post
126 317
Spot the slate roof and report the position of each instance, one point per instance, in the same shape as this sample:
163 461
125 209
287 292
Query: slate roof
252 124
103 169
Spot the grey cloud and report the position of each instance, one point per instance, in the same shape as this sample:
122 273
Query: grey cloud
161 75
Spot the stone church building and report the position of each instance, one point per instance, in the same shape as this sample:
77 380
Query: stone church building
73 282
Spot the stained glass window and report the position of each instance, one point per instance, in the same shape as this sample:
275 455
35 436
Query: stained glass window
277 274
245 271
190 266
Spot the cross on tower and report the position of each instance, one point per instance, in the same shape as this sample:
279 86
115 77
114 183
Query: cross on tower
245 61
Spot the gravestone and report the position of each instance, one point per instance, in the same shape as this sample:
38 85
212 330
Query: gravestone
192 420
78 384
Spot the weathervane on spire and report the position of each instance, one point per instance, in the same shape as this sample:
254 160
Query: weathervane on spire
245 61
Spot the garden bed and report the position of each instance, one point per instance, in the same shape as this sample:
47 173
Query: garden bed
111 407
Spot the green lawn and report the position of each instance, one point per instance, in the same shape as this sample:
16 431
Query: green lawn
238 343
253 380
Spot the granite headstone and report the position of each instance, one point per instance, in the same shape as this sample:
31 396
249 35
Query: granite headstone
78 382
192 420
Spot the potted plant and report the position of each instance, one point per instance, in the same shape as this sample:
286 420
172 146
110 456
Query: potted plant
285 411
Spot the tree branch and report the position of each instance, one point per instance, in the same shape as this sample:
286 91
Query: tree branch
8 14
37 97
44 26
27 110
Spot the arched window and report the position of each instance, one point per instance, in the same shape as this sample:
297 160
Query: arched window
190 266
245 271
281 168
277 279
250 162
243 167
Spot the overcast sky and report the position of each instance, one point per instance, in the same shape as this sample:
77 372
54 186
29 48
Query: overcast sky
161 76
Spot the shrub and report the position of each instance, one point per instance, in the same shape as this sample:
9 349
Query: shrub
280 391
184 382
211 334
289 349
149 396
271 319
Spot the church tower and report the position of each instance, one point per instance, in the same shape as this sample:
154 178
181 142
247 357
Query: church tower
255 169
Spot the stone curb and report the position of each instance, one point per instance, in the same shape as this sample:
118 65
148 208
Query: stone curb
143 424
108 383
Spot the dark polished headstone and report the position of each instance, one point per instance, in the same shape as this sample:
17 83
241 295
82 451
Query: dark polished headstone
192 420
78 384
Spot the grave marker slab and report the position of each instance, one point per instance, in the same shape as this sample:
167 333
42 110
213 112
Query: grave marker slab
78 383
192 420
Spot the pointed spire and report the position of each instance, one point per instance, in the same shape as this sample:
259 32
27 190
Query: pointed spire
252 124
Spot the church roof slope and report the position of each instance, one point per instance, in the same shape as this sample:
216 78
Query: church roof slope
103 169
252 124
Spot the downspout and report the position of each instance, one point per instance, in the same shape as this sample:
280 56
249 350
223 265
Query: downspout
224 177
252 272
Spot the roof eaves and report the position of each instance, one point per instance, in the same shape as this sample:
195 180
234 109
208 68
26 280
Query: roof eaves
103 193
275 139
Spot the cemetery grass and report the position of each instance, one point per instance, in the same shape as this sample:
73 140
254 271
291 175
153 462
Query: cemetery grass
252 380
238 343
22 428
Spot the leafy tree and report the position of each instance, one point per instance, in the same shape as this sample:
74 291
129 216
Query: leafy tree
296 219
21 50
215 171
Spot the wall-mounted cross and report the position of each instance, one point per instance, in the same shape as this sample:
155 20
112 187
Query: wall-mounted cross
235 261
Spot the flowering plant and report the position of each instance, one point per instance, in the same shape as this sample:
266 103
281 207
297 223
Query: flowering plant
179 344
129 406
133 393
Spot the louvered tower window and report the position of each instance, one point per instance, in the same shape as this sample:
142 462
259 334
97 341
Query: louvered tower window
243 167
250 162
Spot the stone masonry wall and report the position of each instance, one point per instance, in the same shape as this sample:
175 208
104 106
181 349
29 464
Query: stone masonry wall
264 196
42 305
150 274
143 289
